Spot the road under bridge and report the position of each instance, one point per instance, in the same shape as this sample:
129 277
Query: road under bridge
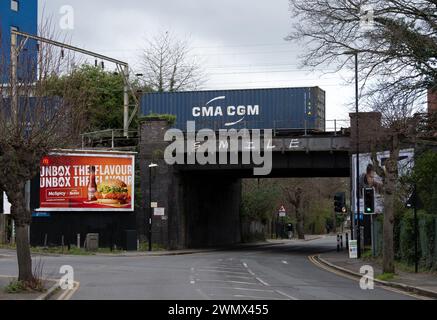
202 202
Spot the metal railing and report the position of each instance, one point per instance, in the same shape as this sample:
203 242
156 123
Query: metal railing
110 136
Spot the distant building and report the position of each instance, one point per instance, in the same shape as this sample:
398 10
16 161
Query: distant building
23 16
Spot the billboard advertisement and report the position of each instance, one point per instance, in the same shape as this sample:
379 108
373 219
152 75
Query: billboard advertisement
87 182
369 178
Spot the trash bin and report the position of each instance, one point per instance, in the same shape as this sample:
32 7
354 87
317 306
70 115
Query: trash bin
131 240
92 242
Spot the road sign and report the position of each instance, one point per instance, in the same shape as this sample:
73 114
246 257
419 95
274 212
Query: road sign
353 249
159 212
282 212
6 205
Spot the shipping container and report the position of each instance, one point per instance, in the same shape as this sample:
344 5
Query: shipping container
284 109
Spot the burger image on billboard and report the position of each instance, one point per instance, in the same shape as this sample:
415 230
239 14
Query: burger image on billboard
112 192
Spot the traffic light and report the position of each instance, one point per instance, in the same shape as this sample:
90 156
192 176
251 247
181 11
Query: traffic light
340 202
369 200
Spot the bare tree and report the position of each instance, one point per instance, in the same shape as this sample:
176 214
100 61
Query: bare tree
168 65
396 44
33 122
395 40
399 129
295 197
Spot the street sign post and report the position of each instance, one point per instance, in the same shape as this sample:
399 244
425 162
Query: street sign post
353 249
282 212
159 212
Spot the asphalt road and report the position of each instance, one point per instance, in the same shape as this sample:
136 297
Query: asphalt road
280 272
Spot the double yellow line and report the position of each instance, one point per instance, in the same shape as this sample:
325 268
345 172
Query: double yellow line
67 294
314 259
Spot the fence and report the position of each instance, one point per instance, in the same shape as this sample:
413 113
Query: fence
404 238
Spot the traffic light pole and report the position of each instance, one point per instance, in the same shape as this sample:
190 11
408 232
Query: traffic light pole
358 157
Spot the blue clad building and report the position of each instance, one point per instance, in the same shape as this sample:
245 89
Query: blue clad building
23 16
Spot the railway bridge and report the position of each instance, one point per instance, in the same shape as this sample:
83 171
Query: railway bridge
202 202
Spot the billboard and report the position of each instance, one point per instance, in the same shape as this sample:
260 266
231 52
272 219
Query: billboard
87 182
369 178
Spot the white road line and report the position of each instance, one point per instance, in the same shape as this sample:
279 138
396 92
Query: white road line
220 271
229 281
255 297
262 281
251 272
238 277
222 268
243 289
286 295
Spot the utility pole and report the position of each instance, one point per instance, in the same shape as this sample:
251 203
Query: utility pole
358 155
126 102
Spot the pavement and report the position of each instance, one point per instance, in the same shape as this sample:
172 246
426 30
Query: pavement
421 283
280 271
5 280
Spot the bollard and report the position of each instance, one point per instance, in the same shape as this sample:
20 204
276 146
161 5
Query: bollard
341 242
78 241
45 240
338 243
347 241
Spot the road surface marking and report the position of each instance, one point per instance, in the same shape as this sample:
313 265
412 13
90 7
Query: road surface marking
222 268
253 274
255 297
238 277
356 279
284 262
262 281
286 295
220 271
67 294
244 289
229 281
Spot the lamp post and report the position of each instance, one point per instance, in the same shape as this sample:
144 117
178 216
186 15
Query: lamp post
151 166
357 196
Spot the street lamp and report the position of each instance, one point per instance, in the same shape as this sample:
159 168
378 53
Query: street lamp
151 166
357 196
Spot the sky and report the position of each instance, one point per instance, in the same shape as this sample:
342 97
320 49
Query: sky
239 43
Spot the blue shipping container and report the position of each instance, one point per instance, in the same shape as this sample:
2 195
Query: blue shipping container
280 109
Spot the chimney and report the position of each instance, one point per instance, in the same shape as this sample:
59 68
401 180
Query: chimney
432 100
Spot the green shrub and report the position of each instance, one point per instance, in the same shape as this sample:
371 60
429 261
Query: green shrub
406 238
426 240
15 286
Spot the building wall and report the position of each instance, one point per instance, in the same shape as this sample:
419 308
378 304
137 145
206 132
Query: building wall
26 20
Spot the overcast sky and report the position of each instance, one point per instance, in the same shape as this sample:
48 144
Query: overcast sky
240 42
